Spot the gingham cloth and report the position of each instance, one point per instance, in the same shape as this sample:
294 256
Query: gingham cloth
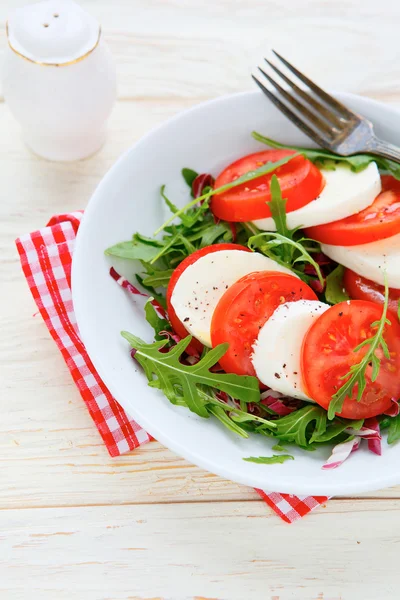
46 258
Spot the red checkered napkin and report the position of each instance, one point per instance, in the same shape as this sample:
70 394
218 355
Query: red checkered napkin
46 258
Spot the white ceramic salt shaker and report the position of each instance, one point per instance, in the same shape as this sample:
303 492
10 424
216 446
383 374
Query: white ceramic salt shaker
59 79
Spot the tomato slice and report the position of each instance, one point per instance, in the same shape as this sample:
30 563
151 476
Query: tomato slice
328 353
361 288
300 182
379 221
176 323
243 310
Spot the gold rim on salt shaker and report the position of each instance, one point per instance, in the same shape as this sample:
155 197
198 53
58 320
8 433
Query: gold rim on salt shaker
46 64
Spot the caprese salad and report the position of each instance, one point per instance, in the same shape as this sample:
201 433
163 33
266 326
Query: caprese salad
281 307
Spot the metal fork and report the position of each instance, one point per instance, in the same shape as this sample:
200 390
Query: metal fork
321 117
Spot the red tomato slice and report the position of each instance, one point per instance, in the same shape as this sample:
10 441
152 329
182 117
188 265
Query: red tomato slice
299 179
360 288
243 310
328 353
176 323
377 222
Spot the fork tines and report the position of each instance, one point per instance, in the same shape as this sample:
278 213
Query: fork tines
321 121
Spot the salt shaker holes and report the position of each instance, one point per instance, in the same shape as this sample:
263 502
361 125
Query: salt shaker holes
63 111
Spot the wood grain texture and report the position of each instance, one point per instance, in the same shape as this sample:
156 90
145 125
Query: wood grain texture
75 523
199 48
215 550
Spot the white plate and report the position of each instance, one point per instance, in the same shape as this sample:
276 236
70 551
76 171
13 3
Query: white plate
204 138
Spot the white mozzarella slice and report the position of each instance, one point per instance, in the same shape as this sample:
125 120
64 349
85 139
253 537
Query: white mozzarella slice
345 194
202 284
370 260
277 350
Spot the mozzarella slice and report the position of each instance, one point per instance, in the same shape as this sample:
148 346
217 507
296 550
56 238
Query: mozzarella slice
370 260
277 350
202 284
345 194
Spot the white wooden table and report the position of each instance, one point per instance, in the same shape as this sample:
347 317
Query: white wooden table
76 524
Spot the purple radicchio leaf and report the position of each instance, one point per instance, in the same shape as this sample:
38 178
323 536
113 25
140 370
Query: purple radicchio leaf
394 409
340 452
124 283
374 443
201 181
278 403
366 433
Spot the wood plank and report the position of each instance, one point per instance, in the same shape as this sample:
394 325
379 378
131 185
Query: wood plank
200 49
224 550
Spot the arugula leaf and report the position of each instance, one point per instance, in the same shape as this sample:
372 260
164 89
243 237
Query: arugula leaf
221 415
186 219
298 426
385 422
398 310
236 415
135 249
328 160
394 430
263 170
278 448
189 176
356 374
334 291
157 323
152 291
189 218
173 242
158 278
334 429
277 206
211 234
266 245
168 202
269 460
165 372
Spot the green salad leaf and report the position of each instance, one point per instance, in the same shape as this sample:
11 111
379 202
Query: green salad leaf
178 381
139 248
278 448
214 232
301 426
277 206
269 460
157 323
221 414
268 242
334 291
158 278
334 429
236 420
328 160
394 430
152 291
189 176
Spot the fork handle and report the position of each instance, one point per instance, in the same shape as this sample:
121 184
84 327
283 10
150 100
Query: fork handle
385 149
